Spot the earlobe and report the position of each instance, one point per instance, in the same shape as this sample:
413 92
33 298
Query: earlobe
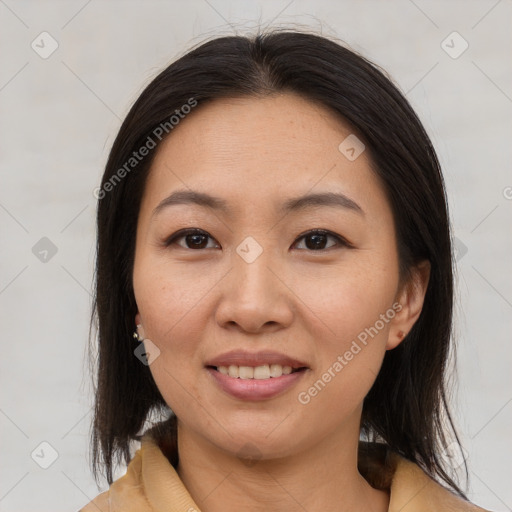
411 298
139 333
395 338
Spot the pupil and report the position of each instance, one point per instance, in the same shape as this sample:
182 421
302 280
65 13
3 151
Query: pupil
197 240
319 241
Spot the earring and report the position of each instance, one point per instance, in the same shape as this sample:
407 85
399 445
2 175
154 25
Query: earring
401 334
136 335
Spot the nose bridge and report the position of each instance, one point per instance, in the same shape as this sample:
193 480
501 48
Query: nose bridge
252 274
255 296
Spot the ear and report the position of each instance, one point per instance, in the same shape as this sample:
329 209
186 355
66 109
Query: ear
410 297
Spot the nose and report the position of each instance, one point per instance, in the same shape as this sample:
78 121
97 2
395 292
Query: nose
254 297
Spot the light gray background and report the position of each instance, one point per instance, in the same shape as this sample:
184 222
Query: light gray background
59 117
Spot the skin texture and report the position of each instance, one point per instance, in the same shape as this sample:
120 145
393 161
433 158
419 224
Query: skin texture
195 304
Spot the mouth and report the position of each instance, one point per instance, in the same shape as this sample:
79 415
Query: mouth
261 372
255 376
256 383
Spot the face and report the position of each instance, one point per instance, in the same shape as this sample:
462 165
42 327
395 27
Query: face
255 283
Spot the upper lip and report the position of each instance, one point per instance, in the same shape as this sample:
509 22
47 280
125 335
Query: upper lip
244 358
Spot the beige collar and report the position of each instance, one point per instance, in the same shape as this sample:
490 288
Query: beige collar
151 484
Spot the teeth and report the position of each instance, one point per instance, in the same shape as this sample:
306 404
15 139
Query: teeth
276 370
259 372
262 372
245 372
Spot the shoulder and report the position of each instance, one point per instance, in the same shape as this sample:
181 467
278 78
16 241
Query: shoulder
409 487
125 494
99 504
412 490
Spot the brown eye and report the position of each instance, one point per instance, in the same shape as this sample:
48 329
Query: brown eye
194 239
316 240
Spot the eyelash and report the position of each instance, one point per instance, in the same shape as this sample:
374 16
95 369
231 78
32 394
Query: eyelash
194 231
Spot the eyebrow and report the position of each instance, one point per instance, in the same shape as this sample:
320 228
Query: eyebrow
330 199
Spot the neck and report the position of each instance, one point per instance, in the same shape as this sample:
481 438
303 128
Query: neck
324 477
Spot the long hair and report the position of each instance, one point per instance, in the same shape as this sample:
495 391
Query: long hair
407 406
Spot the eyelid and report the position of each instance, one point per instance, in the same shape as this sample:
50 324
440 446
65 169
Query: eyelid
342 241
184 232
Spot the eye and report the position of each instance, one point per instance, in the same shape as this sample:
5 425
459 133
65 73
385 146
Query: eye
317 239
198 239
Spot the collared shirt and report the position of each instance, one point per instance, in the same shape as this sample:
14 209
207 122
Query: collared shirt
151 484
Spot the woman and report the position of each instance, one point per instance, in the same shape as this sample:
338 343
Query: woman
273 231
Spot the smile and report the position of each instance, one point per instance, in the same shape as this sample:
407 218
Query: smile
266 371
259 386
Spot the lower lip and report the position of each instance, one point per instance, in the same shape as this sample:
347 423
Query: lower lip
255 389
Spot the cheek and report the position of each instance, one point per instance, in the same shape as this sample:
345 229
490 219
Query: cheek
167 297
349 298
350 316
171 300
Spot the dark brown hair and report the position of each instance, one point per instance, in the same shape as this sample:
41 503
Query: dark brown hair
406 409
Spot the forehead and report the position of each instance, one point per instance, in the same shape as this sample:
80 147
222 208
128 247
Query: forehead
276 125
260 149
